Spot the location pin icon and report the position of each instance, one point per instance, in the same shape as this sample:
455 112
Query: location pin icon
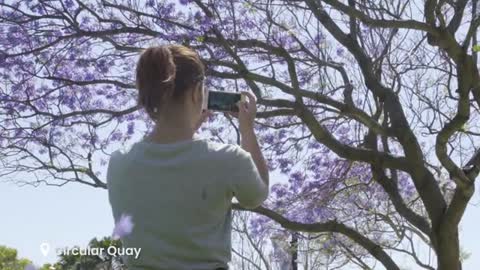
44 248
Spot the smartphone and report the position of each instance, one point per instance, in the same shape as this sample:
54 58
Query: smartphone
224 101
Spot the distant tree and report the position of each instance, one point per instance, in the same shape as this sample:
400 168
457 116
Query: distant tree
49 266
90 262
10 261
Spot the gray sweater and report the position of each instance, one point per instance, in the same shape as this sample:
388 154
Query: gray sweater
179 196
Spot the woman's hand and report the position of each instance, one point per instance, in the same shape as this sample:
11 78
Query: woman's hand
247 112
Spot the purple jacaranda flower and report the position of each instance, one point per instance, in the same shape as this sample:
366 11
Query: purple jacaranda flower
116 136
150 3
123 227
340 51
130 128
69 3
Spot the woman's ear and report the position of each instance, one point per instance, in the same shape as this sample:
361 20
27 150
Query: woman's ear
197 94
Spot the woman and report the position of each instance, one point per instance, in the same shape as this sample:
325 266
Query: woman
176 186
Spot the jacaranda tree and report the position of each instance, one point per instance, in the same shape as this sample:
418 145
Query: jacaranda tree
368 109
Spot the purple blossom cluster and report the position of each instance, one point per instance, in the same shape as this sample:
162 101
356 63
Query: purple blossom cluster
59 86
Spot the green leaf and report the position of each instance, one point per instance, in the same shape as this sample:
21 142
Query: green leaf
476 48
200 38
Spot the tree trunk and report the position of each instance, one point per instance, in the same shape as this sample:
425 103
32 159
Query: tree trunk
448 251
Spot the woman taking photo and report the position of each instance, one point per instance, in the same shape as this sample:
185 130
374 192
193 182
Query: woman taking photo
176 186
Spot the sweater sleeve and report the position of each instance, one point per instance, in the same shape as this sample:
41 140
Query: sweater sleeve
245 180
113 180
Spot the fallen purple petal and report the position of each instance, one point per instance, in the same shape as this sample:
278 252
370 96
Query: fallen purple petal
123 227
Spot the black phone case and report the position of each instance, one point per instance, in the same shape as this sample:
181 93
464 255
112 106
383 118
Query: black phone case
224 101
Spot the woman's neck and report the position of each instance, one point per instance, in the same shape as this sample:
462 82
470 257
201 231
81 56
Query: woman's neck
172 130
165 135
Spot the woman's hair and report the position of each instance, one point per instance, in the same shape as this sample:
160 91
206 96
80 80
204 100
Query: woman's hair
166 73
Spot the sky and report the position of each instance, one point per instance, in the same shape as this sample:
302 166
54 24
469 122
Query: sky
74 214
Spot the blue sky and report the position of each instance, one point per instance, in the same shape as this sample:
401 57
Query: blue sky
74 214
62 216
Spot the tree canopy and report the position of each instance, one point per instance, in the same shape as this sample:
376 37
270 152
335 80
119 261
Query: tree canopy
369 109
10 261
